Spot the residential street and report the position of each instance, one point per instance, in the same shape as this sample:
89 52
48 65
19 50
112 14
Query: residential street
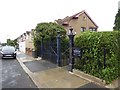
43 73
76 46
13 76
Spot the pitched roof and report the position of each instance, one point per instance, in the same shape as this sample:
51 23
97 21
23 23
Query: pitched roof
27 32
67 19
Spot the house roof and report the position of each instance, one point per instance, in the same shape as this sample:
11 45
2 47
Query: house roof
27 32
67 19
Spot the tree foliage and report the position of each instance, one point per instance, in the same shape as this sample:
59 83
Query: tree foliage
12 42
48 31
117 21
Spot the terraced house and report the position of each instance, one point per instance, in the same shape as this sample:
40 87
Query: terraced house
80 22
25 42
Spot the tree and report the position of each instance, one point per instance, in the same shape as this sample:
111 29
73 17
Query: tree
117 21
12 42
4 44
48 31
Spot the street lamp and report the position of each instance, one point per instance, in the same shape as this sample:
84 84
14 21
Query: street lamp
71 45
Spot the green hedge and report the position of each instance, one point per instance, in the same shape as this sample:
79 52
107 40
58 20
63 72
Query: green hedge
97 42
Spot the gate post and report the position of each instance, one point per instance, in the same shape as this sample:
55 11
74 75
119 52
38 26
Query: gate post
42 51
58 48
71 45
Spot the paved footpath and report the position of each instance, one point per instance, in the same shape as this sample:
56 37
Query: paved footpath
48 75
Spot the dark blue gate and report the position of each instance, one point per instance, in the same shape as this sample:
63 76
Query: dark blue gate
50 52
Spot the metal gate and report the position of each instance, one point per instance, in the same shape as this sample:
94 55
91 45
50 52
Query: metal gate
50 51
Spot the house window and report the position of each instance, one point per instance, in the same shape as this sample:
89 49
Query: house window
82 29
92 29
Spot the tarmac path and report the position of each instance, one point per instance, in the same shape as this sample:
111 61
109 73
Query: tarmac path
13 76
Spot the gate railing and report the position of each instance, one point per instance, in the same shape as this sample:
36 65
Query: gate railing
51 50
65 57
49 53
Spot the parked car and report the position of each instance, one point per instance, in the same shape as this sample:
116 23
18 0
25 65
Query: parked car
8 51
0 48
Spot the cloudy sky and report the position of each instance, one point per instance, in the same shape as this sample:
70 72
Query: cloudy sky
19 16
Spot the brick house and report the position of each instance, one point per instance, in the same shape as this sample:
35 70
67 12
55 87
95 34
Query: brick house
80 22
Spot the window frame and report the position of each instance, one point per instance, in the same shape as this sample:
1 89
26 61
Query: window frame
92 29
82 29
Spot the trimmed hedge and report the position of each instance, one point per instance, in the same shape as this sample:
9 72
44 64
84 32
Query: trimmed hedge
94 45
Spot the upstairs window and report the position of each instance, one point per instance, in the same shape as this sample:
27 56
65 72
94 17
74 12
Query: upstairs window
82 29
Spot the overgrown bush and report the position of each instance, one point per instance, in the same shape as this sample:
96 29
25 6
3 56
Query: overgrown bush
94 61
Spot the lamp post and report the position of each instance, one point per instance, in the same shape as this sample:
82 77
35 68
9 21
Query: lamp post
71 45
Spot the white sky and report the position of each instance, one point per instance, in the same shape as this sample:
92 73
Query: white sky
19 16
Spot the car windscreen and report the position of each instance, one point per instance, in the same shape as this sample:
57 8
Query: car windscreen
10 49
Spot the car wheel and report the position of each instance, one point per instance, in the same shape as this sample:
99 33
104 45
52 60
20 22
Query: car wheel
14 57
2 57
